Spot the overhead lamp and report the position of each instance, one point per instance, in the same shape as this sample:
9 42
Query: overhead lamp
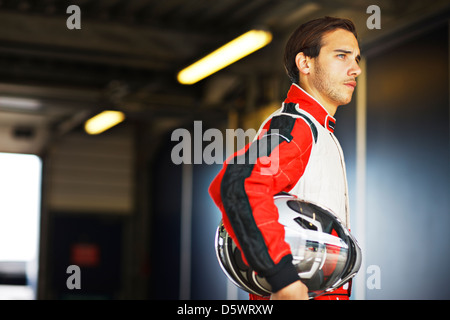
19 103
103 121
229 53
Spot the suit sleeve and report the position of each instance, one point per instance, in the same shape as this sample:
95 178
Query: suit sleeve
244 189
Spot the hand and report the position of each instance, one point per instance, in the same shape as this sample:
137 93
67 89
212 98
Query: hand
295 291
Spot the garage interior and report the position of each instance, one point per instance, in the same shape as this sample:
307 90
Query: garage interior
142 227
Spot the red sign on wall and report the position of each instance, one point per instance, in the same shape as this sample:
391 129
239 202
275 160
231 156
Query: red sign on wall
85 254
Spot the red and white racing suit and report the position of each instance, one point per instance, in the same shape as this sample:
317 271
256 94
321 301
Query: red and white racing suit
298 138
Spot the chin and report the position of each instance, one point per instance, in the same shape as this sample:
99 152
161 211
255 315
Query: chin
345 101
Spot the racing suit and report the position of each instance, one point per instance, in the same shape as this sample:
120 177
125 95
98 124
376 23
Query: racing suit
309 163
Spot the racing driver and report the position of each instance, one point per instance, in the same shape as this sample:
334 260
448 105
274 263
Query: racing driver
322 61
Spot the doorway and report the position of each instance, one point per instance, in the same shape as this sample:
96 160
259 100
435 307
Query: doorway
20 210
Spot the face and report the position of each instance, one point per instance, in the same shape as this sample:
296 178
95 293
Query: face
334 70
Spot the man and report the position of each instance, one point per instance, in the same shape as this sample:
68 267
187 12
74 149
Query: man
321 59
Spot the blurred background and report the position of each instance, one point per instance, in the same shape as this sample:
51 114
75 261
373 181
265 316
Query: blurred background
140 226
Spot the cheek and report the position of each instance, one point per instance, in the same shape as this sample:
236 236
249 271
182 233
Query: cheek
338 68
331 68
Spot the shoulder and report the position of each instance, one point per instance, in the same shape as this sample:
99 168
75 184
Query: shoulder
292 110
291 125
292 130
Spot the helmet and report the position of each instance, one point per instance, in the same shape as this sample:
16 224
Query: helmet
324 252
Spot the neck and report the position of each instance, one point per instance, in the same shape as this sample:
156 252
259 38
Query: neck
328 106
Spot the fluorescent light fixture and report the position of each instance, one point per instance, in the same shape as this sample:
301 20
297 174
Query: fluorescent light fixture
20 103
229 53
103 121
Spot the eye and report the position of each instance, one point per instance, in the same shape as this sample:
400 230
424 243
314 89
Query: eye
341 56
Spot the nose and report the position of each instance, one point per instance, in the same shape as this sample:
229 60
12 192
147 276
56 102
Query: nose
354 70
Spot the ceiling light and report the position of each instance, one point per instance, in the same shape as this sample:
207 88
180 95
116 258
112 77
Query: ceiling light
229 53
103 121
20 103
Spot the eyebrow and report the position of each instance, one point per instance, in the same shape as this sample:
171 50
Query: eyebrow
358 57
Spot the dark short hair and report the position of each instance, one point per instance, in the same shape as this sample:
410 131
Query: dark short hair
307 38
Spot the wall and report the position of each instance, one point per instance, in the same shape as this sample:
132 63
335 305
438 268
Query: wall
184 219
89 206
408 156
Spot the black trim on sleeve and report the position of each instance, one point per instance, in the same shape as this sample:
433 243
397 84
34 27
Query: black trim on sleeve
283 126
290 109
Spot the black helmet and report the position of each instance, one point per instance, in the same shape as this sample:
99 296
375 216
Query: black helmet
324 252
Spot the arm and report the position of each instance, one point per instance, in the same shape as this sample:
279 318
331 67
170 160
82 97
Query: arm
244 192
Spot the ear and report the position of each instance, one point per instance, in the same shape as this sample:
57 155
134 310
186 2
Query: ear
303 63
